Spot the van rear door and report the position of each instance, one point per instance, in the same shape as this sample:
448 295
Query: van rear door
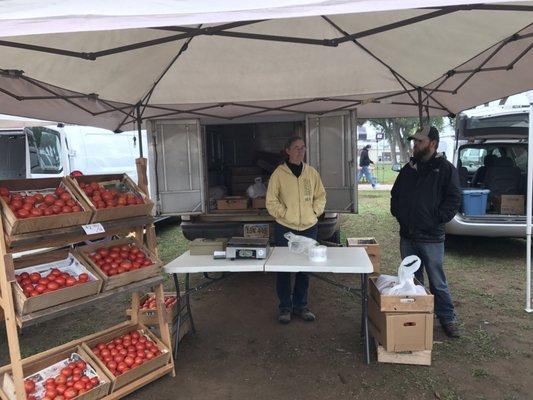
12 154
512 124
175 152
331 145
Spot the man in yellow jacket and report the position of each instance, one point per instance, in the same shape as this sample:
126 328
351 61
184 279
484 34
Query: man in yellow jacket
295 198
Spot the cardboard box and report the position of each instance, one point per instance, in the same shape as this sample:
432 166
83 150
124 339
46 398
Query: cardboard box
233 203
406 303
134 373
372 249
115 181
150 317
15 226
420 357
206 247
111 282
507 204
400 331
45 367
259 202
43 263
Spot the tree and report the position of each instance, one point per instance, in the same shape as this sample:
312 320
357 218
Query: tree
397 132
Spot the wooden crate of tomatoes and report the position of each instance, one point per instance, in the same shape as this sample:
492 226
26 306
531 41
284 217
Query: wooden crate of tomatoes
70 374
128 353
31 205
148 311
121 262
112 196
48 279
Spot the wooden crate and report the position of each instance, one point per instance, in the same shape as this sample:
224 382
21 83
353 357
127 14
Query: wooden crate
112 282
421 357
25 305
108 214
42 362
406 303
259 202
15 226
150 317
372 249
233 203
137 372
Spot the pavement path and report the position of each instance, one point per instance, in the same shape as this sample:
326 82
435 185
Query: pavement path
378 187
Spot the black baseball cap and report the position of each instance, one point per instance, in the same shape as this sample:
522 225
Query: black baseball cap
426 132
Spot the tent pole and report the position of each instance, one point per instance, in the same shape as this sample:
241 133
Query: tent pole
139 126
420 107
529 208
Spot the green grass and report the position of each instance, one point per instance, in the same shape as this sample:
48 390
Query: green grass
383 173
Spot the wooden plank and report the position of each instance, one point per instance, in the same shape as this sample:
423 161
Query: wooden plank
166 336
10 321
151 239
74 234
135 306
67 308
152 376
142 177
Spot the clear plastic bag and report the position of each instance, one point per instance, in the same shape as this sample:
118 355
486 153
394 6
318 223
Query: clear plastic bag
299 244
406 285
258 189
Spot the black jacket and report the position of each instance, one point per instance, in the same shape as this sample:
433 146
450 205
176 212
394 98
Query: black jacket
364 160
424 197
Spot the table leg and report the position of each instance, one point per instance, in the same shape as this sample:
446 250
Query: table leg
187 297
176 327
364 311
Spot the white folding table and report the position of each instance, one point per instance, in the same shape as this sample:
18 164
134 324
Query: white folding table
349 260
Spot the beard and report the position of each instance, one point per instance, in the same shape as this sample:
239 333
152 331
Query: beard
419 155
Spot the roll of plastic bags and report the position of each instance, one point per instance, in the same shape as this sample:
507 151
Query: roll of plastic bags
299 244
406 274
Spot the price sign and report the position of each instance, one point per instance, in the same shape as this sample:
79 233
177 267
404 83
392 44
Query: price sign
93 229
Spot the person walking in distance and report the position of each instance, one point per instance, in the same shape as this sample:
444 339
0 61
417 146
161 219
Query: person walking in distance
364 165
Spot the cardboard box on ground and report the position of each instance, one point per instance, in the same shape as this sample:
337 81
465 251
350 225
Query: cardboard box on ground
372 249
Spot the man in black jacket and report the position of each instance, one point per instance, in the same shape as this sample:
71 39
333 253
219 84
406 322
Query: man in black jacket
364 164
424 197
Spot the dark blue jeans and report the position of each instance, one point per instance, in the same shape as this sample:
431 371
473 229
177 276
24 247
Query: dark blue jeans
298 300
432 257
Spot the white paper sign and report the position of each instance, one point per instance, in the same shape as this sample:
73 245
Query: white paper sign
93 229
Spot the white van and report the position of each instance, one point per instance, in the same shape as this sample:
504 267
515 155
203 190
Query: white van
40 151
492 154
195 162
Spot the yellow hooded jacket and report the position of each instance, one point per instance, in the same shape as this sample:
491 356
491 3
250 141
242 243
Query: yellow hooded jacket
295 203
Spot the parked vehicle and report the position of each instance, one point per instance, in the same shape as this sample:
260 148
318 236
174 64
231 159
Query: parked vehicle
38 151
492 154
197 162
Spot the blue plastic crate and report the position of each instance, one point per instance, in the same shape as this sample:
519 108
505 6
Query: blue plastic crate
474 201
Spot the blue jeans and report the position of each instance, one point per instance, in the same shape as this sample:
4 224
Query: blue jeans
283 280
432 257
365 171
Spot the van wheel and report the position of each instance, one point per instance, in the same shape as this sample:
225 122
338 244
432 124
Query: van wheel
336 237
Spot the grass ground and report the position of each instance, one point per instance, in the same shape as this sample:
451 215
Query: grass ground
240 352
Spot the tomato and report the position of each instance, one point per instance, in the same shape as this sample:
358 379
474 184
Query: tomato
30 200
4 191
59 203
147 263
34 277
66 372
70 383
129 361
40 288
16 205
123 352
103 252
104 352
52 286
29 386
66 209
95 381
50 381
121 367
88 386
23 213
135 335
79 385
76 208
52 393
70 281
56 209
149 355
114 255
60 281
118 358
83 277
85 379
138 361
112 365
112 271
70 393
65 196
36 212
78 371
49 199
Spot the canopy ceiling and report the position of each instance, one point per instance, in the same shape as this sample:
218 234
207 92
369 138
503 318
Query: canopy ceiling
384 63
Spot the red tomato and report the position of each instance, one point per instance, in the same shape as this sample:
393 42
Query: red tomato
34 277
40 288
70 393
52 393
135 335
59 190
85 379
16 204
59 203
66 210
29 386
50 381
121 367
129 361
149 355
112 365
147 263
36 212
71 281
48 211
66 372
83 277
60 281
104 352
78 371
76 209
56 209
49 199
95 381
138 361
60 380
79 385
70 203
88 386
65 196
112 271
52 286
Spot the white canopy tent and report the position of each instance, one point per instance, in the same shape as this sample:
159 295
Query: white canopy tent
115 64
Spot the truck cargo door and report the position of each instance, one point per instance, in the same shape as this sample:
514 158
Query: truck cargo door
331 146
176 167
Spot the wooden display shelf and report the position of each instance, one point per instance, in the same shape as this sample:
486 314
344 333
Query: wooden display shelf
145 380
73 234
73 306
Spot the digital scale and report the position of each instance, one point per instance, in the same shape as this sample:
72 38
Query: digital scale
247 248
